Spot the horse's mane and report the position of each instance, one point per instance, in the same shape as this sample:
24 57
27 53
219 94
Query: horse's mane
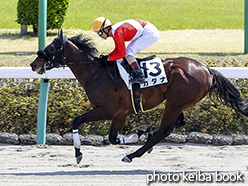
84 44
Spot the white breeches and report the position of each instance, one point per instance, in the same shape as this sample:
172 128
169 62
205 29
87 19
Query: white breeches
149 36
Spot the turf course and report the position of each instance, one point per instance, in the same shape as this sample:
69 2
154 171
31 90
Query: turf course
165 14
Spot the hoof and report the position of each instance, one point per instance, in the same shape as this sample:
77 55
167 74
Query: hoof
150 150
78 155
126 159
142 128
79 158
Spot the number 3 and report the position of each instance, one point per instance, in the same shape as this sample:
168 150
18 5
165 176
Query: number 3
157 68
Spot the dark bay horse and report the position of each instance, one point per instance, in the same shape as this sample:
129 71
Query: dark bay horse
188 82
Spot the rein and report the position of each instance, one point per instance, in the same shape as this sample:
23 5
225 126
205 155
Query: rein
53 62
114 78
82 62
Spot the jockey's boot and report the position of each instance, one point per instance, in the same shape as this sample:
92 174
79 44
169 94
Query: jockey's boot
138 75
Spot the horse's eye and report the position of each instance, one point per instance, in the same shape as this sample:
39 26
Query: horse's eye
52 49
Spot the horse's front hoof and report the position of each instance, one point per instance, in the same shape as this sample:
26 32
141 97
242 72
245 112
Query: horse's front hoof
79 158
78 155
126 159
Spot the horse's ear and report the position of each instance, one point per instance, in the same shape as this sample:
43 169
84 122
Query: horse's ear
60 34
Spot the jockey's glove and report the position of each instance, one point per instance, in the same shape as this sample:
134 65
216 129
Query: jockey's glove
103 59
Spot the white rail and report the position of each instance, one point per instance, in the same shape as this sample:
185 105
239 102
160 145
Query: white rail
26 72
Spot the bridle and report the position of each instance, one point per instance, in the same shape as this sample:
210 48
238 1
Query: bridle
58 59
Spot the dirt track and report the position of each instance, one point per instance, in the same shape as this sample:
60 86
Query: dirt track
55 165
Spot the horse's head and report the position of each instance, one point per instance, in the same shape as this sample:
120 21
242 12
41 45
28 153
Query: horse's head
53 56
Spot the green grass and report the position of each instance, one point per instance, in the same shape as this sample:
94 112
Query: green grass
165 14
8 14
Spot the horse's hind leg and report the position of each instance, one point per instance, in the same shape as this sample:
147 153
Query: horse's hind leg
180 121
170 115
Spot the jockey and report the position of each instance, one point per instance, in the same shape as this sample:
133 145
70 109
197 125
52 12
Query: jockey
141 35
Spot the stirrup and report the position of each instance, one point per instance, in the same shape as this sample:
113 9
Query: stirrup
138 76
137 80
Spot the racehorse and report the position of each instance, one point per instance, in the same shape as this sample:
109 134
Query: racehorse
188 82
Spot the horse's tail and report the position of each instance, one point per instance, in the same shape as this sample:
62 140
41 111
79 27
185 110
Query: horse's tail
226 93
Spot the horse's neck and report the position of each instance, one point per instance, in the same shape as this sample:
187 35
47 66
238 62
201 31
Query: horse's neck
83 72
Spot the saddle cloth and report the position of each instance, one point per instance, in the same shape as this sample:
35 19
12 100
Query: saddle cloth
153 70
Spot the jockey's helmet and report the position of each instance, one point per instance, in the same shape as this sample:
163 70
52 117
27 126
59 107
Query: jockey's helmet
100 23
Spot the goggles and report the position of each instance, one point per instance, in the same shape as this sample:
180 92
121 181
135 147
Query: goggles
100 33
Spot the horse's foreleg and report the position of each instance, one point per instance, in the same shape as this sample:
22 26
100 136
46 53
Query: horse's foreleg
77 144
134 137
130 139
180 121
93 115
116 126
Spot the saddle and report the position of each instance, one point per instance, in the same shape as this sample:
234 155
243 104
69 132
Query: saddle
135 90
153 71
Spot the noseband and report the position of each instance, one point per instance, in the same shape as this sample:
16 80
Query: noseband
58 59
